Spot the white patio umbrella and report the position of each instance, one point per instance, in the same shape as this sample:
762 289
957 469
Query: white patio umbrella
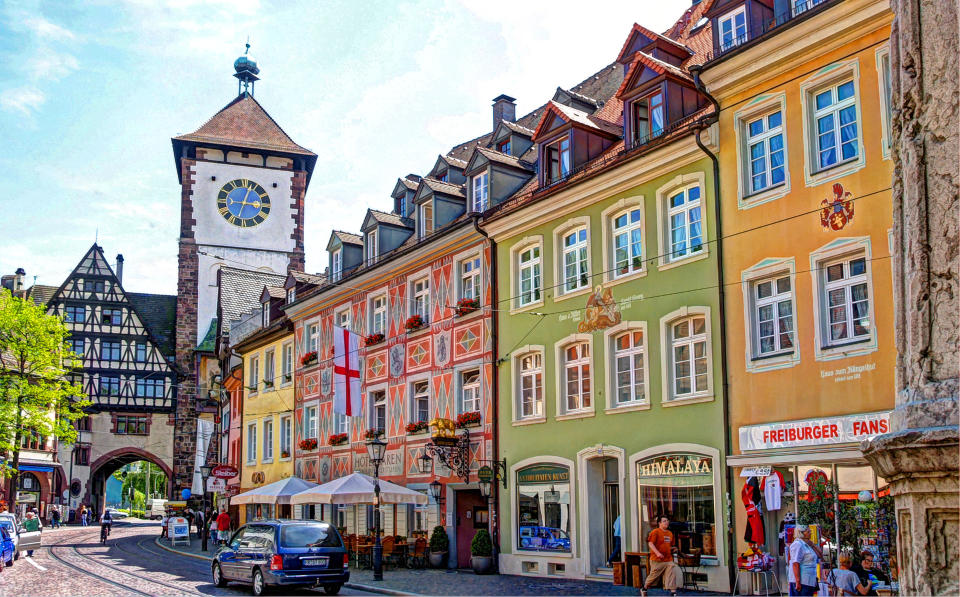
357 488
278 492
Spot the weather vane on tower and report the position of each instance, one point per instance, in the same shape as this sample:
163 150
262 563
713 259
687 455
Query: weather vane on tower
247 71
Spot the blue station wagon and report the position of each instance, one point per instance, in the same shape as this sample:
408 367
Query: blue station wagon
7 548
283 553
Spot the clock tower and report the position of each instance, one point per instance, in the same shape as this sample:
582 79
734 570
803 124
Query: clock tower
242 187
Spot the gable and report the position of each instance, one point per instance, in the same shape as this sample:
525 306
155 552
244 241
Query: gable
477 162
635 42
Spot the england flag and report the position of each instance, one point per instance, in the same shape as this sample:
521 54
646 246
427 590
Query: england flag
346 372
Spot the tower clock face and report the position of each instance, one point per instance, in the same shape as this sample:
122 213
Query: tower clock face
243 203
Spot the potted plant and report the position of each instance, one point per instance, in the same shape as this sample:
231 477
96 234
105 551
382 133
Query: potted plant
470 419
373 433
338 439
285 454
308 444
466 306
439 546
309 358
418 427
414 323
481 552
373 339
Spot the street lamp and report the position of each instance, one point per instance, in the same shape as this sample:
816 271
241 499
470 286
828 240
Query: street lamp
375 449
436 490
425 463
487 477
204 473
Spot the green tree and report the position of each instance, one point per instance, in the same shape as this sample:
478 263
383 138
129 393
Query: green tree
138 480
36 398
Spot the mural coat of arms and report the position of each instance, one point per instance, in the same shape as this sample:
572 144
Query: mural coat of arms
602 311
836 213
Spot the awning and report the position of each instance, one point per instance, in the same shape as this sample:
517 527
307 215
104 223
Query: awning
39 466
278 492
771 457
358 488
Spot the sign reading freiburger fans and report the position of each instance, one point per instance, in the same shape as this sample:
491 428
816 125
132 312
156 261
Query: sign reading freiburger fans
846 429
224 471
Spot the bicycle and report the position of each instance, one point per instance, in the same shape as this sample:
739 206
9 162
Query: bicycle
104 532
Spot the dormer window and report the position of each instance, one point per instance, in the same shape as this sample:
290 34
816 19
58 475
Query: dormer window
504 146
480 190
733 29
336 266
372 246
265 315
558 160
426 219
647 117
442 176
291 295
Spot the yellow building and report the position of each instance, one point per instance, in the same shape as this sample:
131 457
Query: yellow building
805 171
267 422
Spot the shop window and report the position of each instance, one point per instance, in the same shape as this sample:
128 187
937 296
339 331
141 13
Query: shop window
680 486
543 508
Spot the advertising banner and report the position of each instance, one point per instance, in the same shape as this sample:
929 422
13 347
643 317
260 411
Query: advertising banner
204 433
846 429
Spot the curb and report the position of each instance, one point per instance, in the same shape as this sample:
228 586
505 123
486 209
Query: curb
351 585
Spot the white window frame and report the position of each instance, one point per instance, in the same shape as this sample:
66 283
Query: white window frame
254 376
336 265
560 250
518 375
424 219
471 280
265 315
584 410
251 442
760 107
610 336
774 300
830 76
518 268
270 367
342 317
313 338
481 192
341 423
310 430
371 246
267 440
286 436
764 139
736 38
843 249
286 363
885 87
608 218
414 397
378 315
420 298
374 403
682 182
472 388
686 210
667 366
767 269
291 294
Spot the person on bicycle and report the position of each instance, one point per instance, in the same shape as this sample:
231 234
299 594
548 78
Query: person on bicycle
106 520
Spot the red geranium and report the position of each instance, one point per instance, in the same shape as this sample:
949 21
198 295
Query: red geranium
414 322
468 419
373 339
308 358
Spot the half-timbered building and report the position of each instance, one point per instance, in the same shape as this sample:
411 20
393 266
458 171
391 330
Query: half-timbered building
126 342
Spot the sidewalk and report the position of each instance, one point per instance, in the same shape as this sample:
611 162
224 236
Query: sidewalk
402 581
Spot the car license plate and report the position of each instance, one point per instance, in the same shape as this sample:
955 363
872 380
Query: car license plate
315 562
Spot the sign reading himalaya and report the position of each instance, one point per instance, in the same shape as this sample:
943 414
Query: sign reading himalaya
543 473
847 429
674 465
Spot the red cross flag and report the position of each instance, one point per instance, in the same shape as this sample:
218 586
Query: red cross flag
346 373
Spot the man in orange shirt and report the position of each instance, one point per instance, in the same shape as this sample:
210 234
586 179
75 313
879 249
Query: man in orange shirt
661 544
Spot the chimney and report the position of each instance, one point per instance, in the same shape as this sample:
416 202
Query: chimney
120 267
18 280
504 108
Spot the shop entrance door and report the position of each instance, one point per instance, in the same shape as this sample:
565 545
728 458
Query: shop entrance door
611 511
471 515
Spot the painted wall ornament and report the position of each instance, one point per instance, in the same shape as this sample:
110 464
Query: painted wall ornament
396 360
836 213
602 311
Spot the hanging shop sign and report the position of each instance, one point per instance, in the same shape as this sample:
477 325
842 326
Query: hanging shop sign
847 429
224 471
543 474
675 465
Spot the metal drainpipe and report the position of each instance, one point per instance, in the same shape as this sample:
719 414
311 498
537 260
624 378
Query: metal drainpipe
709 120
494 383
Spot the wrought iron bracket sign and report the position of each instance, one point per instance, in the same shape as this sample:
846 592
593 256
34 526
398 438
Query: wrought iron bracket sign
452 452
493 469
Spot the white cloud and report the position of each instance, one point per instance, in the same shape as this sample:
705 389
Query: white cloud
47 64
47 30
24 100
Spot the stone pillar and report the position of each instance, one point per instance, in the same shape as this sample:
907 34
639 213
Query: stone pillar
919 458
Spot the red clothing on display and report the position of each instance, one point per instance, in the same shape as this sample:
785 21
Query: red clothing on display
750 497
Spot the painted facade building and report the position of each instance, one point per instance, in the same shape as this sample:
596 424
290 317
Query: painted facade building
805 179
609 325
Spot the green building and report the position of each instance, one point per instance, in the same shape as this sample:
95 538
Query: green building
610 378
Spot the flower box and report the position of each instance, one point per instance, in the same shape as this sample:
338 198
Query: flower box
338 439
373 339
308 444
467 306
309 358
471 419
418 427
414 323
284 454
373 433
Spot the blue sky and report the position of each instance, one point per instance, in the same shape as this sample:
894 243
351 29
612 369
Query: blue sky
91 92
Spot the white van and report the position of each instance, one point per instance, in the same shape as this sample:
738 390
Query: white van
156 508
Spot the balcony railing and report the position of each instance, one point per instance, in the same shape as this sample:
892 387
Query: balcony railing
796 10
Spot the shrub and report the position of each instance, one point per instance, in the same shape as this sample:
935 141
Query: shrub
481 546
439 540
138 513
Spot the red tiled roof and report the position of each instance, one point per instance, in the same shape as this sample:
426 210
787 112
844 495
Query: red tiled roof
637 28
244 123
699 41
578 116
640 59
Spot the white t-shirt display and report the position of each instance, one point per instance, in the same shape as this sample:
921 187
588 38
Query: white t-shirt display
772 487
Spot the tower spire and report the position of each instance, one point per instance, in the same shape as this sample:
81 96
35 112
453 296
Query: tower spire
246 71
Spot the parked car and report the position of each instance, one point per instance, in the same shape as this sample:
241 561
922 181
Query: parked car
287 553
544 538
116 514
7 548
22 540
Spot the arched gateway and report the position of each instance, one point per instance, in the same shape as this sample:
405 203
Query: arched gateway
109 463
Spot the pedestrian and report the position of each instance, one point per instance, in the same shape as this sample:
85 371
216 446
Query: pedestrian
55 518
83 514
661 544
30 524
223 526
615 556
198 520
163 523
804 556
869 575
845 581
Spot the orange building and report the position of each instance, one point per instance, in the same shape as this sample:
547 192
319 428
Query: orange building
803 89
